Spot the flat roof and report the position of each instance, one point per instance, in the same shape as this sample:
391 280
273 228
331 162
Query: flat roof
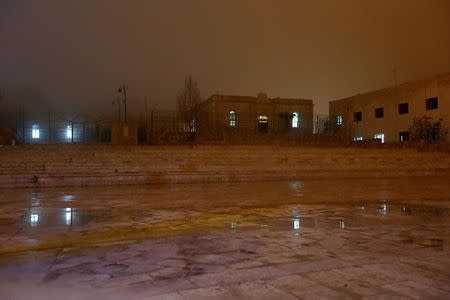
390 89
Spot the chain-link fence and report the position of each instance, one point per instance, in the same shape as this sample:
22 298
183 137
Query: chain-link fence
168 127
59 128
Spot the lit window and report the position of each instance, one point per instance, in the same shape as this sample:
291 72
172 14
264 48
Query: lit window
357 138
295 120
232 118
35 132
379 136
340 120
192 126
68 211
404 136
69 132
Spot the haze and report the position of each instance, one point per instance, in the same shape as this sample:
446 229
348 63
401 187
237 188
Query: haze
72 55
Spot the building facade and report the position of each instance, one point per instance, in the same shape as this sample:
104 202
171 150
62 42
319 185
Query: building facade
388 113
258 115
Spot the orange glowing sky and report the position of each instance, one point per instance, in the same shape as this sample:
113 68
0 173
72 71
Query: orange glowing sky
74 54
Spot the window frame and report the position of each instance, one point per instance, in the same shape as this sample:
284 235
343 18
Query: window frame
381 136
430 101
402 134
401 107
35 132
295 122
339 120
379 115
232 118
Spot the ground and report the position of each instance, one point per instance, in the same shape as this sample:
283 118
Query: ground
312 239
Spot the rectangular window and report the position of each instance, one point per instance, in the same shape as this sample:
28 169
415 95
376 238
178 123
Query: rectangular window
403 136
357 138
35 132
379 112
379 136
357 116
403 108
431 103
340 120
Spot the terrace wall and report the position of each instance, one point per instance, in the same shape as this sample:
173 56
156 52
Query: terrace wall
78 165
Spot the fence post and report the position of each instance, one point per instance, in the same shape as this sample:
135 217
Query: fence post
84 132
23 125
49 127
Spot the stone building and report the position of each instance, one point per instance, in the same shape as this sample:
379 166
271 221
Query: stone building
257 115
386 114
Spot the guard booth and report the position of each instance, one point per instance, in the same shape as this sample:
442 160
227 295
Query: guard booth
124 133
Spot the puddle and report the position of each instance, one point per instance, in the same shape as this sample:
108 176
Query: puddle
68 217
336 206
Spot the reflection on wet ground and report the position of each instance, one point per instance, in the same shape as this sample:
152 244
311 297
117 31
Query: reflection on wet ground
341 239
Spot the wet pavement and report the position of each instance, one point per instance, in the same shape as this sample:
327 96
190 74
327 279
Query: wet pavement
349 239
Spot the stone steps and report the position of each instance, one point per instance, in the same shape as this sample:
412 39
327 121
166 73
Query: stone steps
65 165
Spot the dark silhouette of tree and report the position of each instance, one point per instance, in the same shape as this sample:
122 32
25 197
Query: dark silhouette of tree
188 98
426 129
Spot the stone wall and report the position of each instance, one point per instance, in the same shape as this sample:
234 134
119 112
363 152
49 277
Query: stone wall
70 165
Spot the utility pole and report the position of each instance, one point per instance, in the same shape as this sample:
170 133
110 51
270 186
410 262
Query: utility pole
120 111
23 125
49 127
146 120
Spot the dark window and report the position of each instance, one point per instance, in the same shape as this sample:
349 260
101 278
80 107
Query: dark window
379 112
432 103
357 116
403 136
403 108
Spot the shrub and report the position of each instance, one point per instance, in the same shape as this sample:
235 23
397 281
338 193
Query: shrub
426 129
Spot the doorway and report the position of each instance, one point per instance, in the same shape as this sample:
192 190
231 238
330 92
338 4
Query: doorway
263 124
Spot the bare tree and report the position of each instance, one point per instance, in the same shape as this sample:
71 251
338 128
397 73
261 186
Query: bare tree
188 98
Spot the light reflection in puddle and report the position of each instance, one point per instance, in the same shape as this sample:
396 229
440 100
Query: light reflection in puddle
361 207
34 219
296 223
297 186
64 218
68 198
233 227
383 209
341 224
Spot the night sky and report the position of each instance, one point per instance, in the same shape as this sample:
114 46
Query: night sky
72 55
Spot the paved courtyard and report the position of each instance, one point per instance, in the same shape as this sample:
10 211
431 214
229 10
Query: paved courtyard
345 239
